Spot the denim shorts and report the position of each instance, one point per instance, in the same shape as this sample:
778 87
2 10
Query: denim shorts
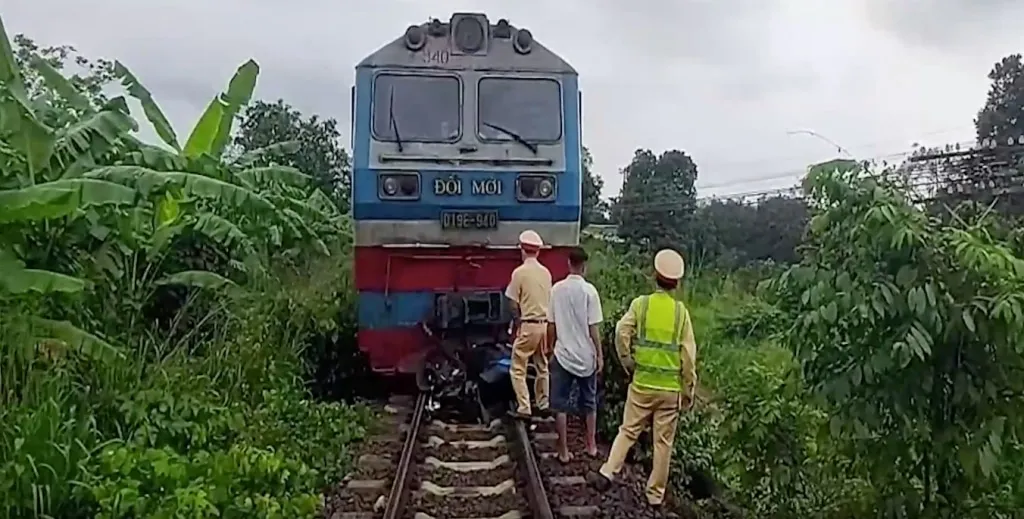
562 383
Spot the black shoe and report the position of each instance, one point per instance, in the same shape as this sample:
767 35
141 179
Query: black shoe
519 416
543 413
598 481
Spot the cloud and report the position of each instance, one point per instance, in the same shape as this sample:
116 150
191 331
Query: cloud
724 81
950 26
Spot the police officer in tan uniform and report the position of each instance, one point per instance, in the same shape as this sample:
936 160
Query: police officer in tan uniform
654 342
529 290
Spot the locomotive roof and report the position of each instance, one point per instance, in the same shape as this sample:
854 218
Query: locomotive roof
501 56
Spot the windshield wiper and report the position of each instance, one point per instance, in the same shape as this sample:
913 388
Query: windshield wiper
393 122
515 136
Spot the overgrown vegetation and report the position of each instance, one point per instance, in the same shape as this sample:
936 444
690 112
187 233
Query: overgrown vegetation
155 303
876 377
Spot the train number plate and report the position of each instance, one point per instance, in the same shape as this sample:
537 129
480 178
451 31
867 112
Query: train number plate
455 220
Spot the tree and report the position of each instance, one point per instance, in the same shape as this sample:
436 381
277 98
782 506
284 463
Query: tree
90 170
594 210
318 152
658 199
992 172
721 228
911 330
732 233
51 107
1002 116
1000 122
780 227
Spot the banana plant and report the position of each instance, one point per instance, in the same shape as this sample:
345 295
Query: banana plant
211 134
213 131
36 153
52 208
202 156
242 208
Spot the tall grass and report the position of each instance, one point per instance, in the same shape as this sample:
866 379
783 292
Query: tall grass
752 428
65 417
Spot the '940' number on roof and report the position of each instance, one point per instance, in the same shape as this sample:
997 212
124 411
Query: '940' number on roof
436 56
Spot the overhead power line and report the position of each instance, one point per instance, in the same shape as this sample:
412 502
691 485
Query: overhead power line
914 172
800 172
857 148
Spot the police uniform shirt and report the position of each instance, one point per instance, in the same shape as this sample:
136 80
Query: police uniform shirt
625 332
530 288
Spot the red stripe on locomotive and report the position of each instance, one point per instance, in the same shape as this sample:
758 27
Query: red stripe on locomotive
393 349
381 269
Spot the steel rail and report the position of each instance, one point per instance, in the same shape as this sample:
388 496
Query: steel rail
536 494
397 496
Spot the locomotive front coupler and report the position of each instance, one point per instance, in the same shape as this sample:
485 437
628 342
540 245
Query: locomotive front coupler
467 336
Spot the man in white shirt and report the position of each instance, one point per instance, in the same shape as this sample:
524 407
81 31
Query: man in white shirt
574 319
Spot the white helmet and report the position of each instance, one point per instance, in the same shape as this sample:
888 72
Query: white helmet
530 239
669 264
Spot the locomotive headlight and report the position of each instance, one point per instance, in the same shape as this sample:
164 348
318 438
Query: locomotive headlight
399 186
409 185
523 41
414 38
545 188
535 188
469 34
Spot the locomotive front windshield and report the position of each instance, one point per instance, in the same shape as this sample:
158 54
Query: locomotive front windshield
529 107
416 108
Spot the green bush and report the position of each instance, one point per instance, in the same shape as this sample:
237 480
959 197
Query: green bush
753 429
317 434
156 305
877 378
242 481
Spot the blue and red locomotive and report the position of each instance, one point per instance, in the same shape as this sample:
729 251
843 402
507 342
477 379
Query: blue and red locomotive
465 134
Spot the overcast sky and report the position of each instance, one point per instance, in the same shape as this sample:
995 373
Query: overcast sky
724 80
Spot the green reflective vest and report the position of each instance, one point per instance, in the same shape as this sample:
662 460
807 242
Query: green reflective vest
656 349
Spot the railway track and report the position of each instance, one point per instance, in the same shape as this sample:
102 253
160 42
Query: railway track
422 468
416 467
